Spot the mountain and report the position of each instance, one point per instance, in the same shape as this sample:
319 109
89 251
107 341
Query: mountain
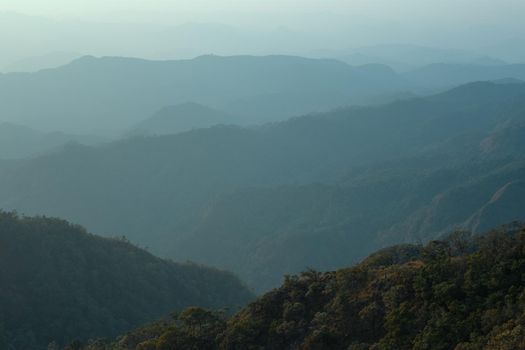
508 81
334 186
282 230
285 230
106 37
18 141
446 75
59 283
183 117
115 93
403 57
34 64
461 292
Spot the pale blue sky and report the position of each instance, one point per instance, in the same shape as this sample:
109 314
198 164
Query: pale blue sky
467 10
152 28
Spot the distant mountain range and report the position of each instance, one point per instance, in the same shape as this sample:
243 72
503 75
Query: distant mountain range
111 94
320 190
183 117
37 63
405 57
116 93
60 284
441 74
286 229
181 39
18 141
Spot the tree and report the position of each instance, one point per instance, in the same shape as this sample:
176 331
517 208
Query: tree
3 337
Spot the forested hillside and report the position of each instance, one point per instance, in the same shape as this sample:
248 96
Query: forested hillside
287 229
459 293
269 191
59 283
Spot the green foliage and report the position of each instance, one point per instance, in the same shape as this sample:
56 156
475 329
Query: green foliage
462 293
3 337
59 284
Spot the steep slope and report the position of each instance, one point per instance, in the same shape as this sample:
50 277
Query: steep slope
505 204
183 117
473 182
285 230
458 293
466 204
488 194
59 283
279 231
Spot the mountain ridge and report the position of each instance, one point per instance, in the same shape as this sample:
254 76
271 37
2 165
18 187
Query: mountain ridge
461 292
426 156
59 283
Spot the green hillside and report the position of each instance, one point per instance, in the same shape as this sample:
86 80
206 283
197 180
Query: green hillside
59 283
459 293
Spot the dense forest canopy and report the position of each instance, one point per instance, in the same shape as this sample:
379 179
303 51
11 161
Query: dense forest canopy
464 292
59 283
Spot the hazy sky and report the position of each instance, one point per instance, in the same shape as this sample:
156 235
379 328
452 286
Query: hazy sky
471 11
152 28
